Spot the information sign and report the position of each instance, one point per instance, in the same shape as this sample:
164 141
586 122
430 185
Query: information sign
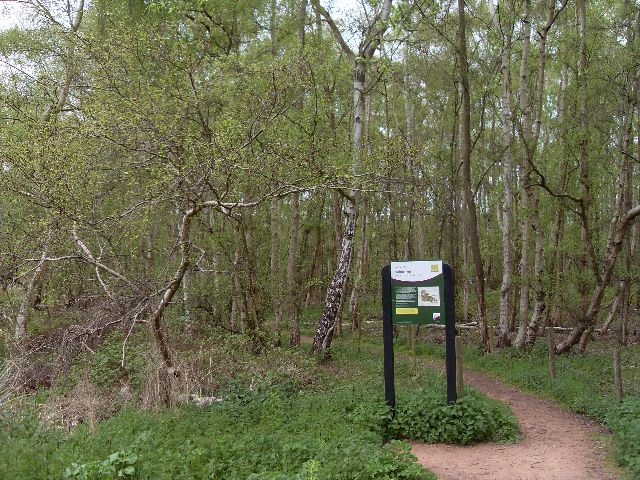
417 292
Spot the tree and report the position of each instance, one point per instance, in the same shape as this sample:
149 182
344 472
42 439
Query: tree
370 41
471 220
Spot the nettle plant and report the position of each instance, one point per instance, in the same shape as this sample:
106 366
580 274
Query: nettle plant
425 416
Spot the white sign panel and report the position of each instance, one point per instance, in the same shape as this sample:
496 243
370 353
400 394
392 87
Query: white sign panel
416 271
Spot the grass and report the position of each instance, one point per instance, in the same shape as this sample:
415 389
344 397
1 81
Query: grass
283 416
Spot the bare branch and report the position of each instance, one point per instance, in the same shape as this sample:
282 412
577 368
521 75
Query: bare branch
334 30
89 258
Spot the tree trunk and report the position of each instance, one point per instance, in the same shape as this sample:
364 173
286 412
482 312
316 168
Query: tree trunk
274 267
614 310
292 286
357 284
466 289
471 219
507 177
239 308
617 234
335 291
29 295
588 255
155 319
554 312
536 316
523 95
186 303
368 46
251 291
531 134
410 113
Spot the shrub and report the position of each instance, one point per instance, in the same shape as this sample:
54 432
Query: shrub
426 416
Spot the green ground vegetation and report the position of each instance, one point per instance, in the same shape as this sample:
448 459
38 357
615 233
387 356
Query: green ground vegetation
276 415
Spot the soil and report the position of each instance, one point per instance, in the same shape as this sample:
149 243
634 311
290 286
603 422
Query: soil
556 444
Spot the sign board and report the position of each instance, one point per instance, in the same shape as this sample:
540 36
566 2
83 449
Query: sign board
403 302
417 292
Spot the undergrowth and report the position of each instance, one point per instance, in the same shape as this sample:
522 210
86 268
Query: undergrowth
268 433
275 416
423 415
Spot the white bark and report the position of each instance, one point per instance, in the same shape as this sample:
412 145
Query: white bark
507 178
369 43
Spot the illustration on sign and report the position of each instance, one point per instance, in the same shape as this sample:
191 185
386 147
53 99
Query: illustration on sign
428 296
417 290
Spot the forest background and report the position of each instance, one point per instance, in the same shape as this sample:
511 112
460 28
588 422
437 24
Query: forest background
169 166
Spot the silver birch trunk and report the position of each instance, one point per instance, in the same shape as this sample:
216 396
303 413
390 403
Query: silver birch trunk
539 306
337 287
523 96
335 291
507 178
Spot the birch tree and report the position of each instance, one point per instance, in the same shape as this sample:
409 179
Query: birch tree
371 39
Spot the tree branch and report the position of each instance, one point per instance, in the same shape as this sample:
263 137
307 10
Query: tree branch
334 30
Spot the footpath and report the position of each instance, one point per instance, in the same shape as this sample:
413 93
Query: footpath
556 445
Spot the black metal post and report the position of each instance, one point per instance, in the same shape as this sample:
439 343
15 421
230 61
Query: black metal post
387 339
450 331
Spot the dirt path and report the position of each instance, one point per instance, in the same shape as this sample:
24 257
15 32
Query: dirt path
557 445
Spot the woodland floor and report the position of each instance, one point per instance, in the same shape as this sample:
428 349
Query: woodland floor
556 444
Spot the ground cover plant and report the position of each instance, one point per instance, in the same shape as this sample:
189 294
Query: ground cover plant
272 433
424 416
267 425
422 413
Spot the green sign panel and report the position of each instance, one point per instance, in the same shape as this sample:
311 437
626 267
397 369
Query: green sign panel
417 292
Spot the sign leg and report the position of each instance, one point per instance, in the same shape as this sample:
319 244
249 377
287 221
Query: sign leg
450 332
387 338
